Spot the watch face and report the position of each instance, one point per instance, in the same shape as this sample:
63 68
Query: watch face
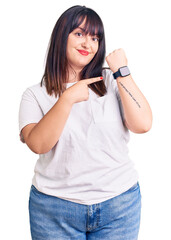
124 71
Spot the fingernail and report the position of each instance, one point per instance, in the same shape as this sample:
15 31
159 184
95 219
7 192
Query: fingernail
101 77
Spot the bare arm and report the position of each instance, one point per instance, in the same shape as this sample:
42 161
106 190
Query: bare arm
137 112
42 136
45 134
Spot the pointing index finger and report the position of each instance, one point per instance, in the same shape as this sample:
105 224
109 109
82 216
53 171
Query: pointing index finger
92 80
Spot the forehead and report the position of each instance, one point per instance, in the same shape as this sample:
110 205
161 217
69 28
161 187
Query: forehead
87 27
83 24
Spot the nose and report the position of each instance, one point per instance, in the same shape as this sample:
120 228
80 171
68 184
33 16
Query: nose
86 41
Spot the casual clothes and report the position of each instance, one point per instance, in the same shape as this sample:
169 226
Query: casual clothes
56 218
90 163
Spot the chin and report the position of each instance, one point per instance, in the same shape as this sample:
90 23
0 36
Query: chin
84 63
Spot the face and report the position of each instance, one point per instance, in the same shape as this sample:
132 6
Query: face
81 48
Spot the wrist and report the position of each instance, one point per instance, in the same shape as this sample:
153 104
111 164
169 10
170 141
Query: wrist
121 72
122 78
115 69
65 97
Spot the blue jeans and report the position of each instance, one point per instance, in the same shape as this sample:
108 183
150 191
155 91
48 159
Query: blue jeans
53 218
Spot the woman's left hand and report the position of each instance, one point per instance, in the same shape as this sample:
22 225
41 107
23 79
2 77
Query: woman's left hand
116 59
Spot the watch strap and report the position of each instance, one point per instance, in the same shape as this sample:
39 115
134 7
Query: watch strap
116 74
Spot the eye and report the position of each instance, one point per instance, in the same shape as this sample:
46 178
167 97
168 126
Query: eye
79 34
95 39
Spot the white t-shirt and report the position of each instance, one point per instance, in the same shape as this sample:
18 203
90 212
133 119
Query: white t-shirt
90 162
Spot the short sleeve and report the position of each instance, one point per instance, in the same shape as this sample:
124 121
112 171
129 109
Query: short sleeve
29 111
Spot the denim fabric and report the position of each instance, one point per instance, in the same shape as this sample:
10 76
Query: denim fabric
53 218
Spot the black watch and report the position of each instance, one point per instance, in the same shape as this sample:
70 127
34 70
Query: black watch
122 72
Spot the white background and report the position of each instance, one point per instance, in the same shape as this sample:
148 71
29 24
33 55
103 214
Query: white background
142 29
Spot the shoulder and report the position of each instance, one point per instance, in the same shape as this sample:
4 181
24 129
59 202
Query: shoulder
34 88
38 94
34 91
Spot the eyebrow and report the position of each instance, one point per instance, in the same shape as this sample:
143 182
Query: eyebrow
84 31
81 29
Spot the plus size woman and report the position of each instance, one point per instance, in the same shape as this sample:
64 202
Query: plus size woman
77 119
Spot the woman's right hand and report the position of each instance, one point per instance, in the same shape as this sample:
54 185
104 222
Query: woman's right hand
79 91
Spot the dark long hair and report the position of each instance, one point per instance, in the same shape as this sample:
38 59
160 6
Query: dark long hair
56 68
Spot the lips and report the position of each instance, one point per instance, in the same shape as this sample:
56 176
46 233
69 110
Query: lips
83 52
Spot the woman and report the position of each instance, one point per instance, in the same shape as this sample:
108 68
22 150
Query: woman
78 121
